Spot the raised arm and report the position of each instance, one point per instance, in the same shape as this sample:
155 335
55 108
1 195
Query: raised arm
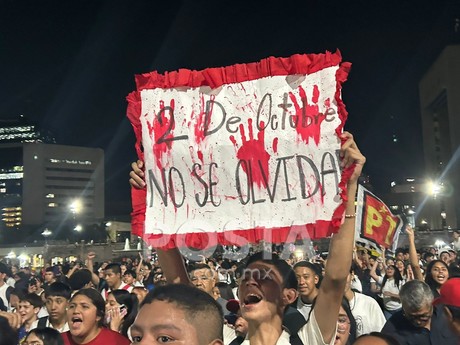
373 271
341 248
90 265
413 259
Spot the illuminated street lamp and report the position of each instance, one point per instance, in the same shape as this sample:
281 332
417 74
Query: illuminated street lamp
78 228
76 206
46 233
434 188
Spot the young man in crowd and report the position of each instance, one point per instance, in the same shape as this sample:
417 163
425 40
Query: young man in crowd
129 278
114 281
49 276
308 279
57 299
29 306
269 285
419 322
178 314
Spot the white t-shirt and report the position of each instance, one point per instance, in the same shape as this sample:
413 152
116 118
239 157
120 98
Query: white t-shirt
309 334
390 286
3 289
367 313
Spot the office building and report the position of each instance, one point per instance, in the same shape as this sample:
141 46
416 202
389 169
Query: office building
440 109
47 186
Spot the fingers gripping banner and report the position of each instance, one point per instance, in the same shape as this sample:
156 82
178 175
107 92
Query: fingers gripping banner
240 153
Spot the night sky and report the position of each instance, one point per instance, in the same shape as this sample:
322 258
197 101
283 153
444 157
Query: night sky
68 65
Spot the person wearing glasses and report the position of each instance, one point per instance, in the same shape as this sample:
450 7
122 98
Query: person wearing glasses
419 322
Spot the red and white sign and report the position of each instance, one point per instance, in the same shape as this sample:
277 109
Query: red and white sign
240 153
375 224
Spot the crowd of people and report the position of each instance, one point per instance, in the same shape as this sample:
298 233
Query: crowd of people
352 296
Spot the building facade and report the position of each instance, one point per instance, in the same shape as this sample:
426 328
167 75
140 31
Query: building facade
440 109
48 187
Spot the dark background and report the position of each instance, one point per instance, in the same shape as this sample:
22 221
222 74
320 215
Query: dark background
68 65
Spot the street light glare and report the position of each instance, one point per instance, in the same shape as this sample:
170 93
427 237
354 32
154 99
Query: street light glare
78 228
46 232
434 188
76 206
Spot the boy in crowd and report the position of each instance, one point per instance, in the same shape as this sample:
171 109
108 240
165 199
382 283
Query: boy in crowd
57 299
49 276
178 313
29 306
129 278
113 278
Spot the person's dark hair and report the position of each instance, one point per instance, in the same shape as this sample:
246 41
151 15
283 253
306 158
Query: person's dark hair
48 335
198 266
8 335
131 273
18 292
115 267
95 298
398 251
131 302
385 337
225 290
313 267
398 279
196 305
5 269
148 264
346 307
80 278
286 271
429 277
427 255
58 289
32 298
50 269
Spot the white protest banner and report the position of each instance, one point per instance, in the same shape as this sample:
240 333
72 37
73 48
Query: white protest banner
240 153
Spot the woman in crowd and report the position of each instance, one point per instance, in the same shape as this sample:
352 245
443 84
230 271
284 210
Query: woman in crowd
437 273
346 325
85 316
390 283
43 336
121 309
399 264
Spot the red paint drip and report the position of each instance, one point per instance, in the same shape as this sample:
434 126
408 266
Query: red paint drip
275 145
254 153
200 122
308 117
162 125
